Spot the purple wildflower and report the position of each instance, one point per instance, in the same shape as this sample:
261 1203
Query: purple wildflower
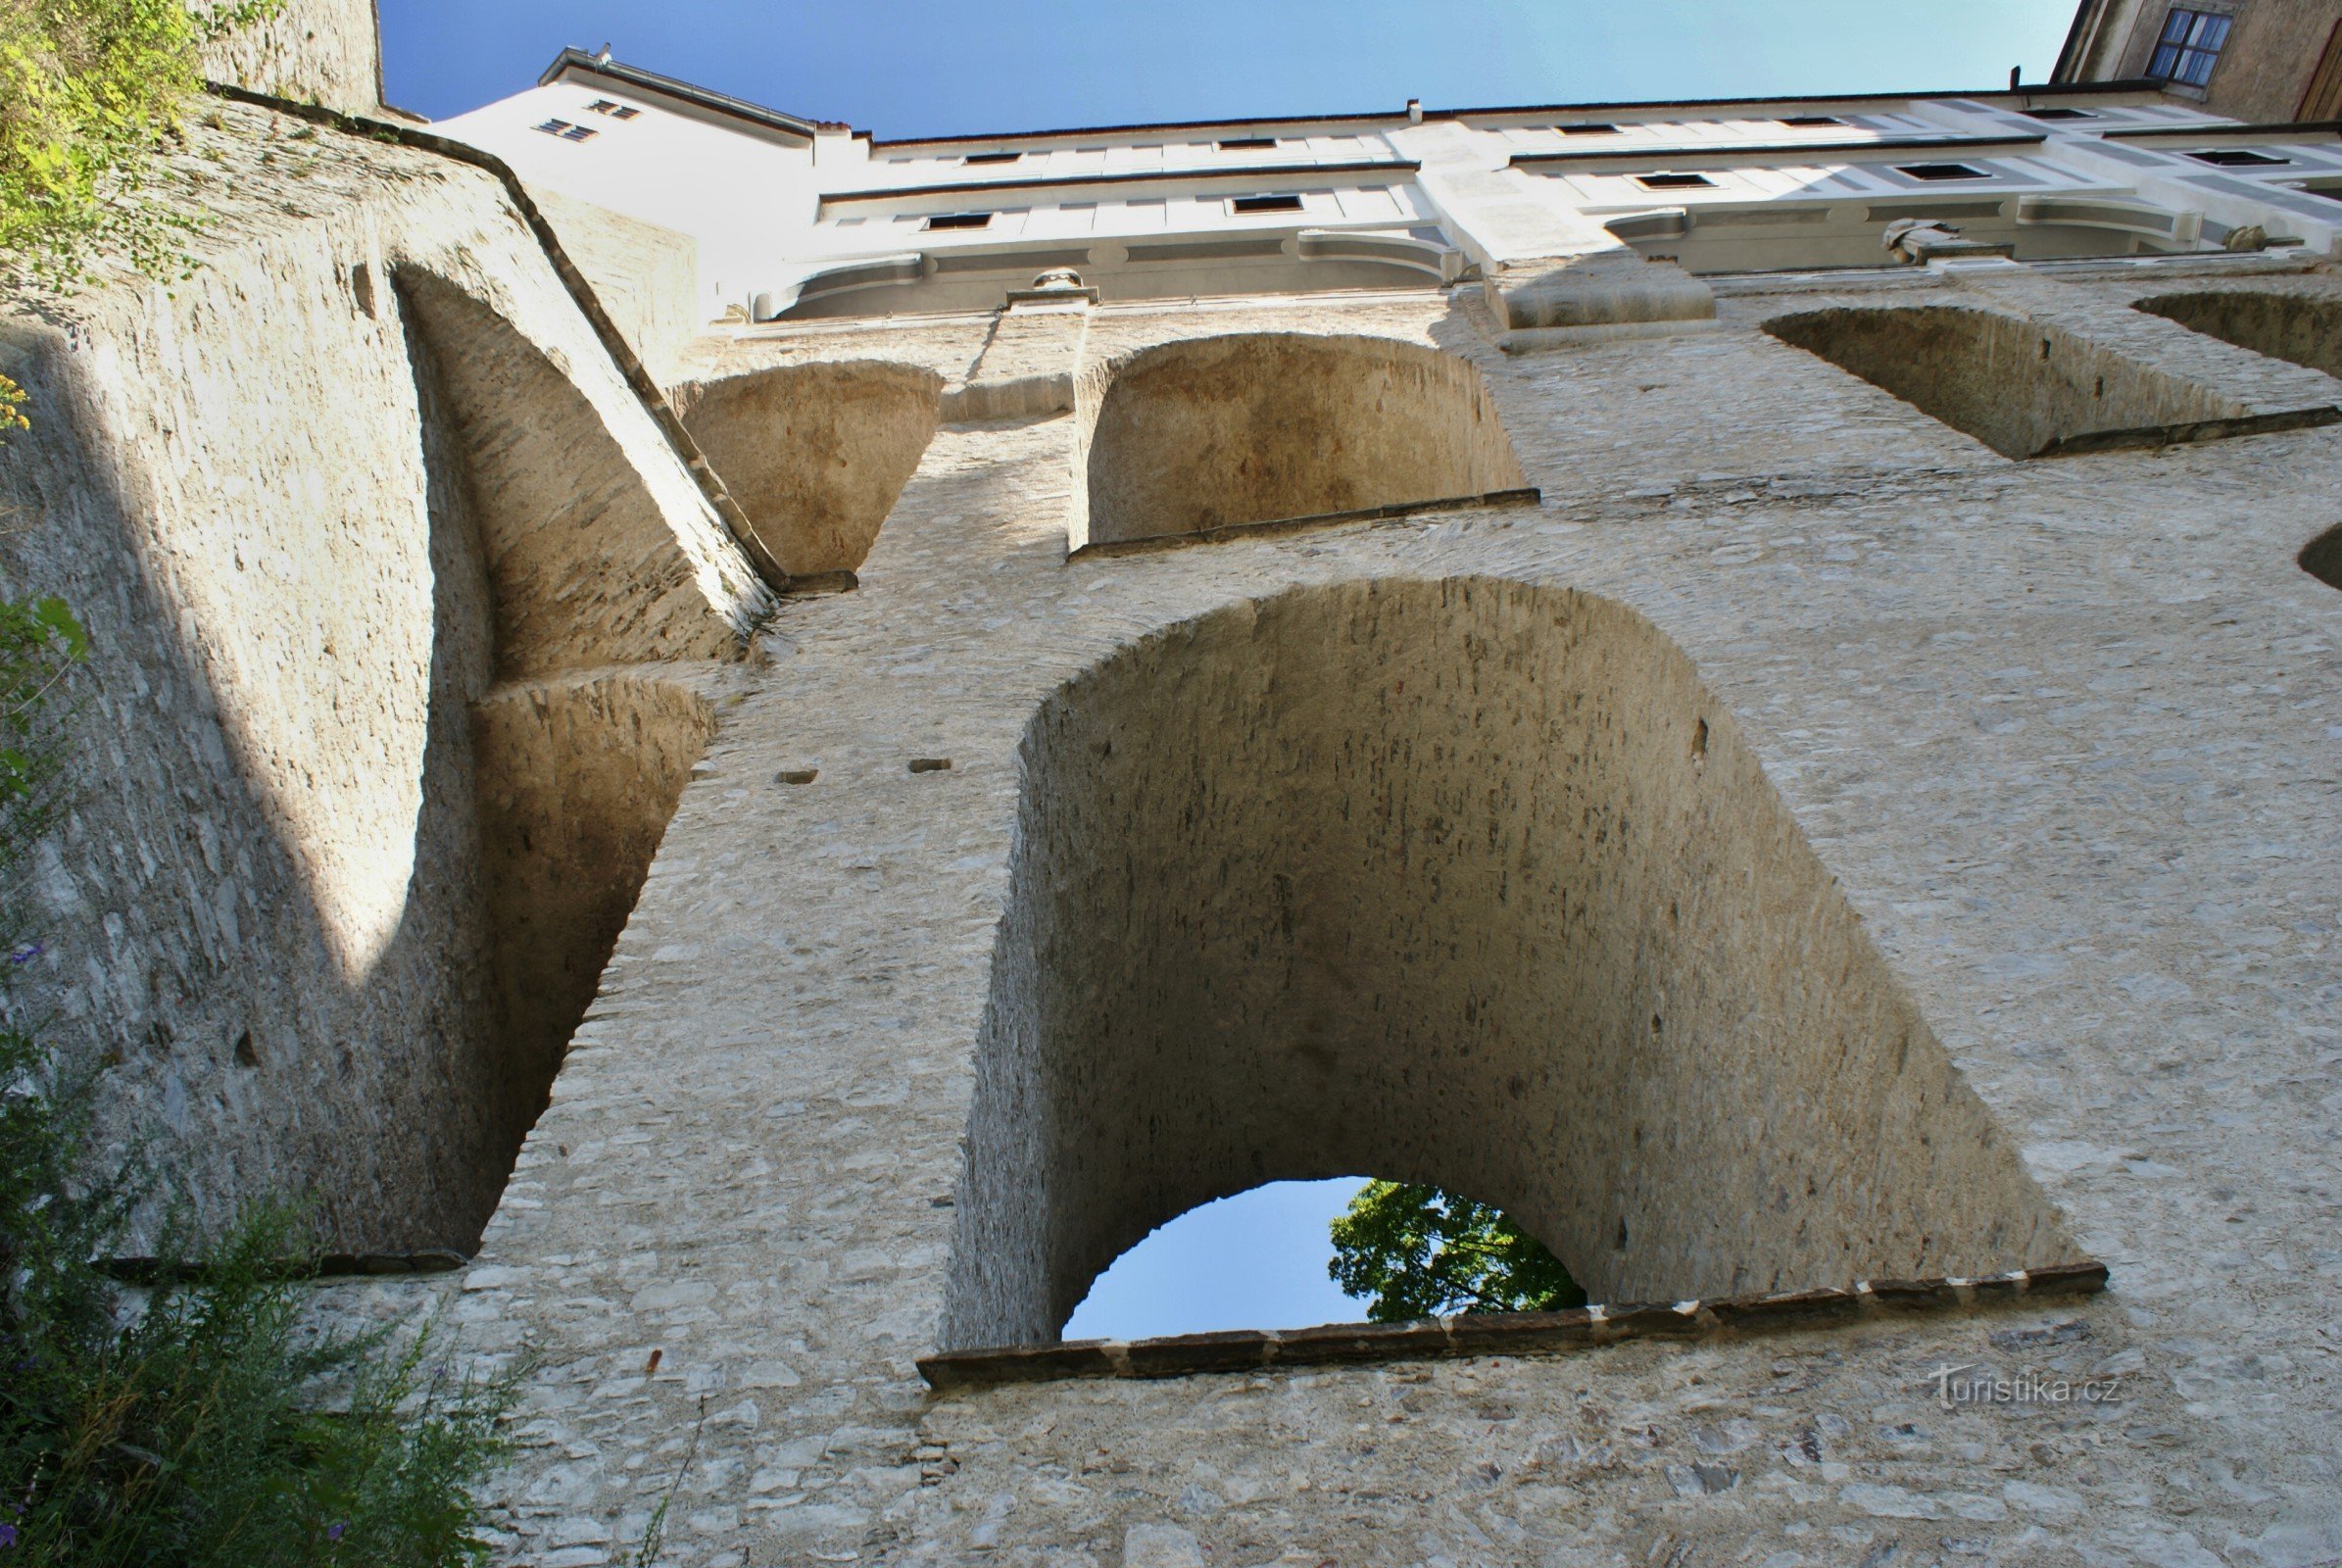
333 1531
29 952
8 1537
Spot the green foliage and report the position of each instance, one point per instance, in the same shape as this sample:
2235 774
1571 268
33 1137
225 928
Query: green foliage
88 90
191 1432
193 1426
41 641
1420 1251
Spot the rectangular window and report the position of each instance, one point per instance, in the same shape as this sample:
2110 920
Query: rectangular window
1941 172
1672 181
615 111
2189 47
1265 204
2236 157
567 131
1246 144
2057 114
1590 128
1810 121
958 221
992 158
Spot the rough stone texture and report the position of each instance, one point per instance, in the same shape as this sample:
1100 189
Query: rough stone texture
2025 387
647 277
1252 427
815 454
269 904
2303 326
1457 882
2061 732
578 778
311 51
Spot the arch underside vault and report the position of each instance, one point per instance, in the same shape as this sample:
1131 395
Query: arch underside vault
1464 882
1209 433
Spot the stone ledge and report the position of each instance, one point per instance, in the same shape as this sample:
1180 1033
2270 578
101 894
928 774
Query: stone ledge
1495 1333
1525 496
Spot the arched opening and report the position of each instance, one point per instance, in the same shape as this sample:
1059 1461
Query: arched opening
2023 388
2299 328
550 550
815 454
2321 557
595 554
1461 882
1219 432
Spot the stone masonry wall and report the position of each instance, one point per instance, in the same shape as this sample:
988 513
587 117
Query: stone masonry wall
311 51
1462 883
268 909
2062 731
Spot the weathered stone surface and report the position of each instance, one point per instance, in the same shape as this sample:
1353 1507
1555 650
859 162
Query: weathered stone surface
1197 435
301 569
815 454
2057 739
311 51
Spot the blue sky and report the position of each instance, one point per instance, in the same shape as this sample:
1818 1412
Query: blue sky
1256 1260
934 66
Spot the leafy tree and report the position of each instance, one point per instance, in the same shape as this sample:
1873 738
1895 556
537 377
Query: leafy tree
1422 1251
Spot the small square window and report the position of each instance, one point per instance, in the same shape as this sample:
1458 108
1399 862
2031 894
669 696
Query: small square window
1591 127
1672 181
2057 114
992 158
1246 144
1942 171
553 128
2237 158
1265 204
2189 47
958 221
615 111
579 133
1810 121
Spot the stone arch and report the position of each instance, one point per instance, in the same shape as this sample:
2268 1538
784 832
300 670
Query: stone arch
1468 882
588 561
1256 427
815 454
2300 329
2024 388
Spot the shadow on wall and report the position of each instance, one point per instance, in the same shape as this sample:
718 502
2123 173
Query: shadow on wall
1218 432
2023 388
1469 883
577 779
815 454
2301 330
2321 557
574 776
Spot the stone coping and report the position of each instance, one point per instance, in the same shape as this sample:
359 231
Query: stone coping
1495 1333
1525 496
